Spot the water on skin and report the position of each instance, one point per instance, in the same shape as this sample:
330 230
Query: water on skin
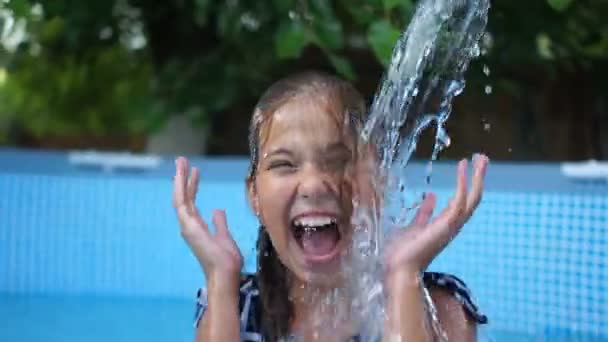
425 74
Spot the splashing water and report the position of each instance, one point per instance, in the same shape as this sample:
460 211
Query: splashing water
425 74
486 70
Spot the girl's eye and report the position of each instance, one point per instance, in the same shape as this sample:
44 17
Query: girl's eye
280 164
336 163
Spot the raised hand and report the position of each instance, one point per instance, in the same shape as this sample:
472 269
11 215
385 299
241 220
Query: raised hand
414 248
217 253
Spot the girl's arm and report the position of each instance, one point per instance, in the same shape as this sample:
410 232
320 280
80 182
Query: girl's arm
220 322
216 252
455 320
409 319
414 248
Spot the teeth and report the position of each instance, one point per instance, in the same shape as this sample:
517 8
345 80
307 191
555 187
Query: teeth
312 222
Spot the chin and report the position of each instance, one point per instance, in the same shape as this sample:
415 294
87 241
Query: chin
320 279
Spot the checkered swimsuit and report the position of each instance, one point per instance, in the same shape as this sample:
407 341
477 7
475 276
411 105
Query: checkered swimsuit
249 299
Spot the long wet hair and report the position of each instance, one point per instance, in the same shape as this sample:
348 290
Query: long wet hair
276 311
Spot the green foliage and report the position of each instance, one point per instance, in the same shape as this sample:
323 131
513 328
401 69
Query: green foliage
382 37
559 5
390 4
290 39
66 81
108 93
20 8
571 31
342 66
106 66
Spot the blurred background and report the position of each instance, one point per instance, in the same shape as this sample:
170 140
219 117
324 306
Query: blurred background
89 246
124 74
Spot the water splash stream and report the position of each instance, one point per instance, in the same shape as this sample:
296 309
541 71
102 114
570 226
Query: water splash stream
426 72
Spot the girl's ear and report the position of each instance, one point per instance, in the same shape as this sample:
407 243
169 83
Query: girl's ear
252 196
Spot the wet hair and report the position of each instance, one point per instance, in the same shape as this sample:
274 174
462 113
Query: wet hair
276 310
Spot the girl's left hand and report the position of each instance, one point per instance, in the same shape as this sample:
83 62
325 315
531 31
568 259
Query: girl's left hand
415 247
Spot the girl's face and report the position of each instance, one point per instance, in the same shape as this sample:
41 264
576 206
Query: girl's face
303 189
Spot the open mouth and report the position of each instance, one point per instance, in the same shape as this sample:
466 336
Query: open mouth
318 236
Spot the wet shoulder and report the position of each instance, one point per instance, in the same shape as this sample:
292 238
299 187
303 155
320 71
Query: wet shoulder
249 305
250 302
457 289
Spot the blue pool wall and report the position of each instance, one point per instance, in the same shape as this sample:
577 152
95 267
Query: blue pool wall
535 254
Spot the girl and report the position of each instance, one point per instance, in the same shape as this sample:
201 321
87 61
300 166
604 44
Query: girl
304 175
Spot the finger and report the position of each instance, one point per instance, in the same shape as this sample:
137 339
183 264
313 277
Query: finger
220 223
187 214
191 222
179 183
461 187
192 190
447 224
457 204
474 197
192 187
424 213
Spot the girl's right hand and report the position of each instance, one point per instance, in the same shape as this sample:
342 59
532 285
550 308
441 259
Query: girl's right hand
217 253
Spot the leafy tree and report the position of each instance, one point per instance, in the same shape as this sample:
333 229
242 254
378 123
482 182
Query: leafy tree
124 66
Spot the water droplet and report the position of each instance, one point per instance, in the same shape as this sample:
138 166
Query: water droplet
486 70
292 15
475 51
487 41
488 89
442 137
510 150
455 88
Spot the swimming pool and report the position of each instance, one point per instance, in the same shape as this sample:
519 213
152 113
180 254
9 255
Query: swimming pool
91 256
